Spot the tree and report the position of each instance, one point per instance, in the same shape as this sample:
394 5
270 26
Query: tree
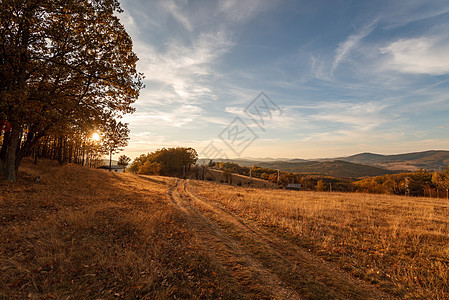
321 186
123 160
115 138
441 180
389 186
64 65
273 177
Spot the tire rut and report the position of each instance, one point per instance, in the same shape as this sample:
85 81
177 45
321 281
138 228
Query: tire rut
299 268
248 271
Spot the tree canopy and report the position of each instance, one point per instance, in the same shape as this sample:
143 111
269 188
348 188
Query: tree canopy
166 161
123 160
66 69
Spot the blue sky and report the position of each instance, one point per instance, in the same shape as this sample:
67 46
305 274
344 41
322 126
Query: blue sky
346 76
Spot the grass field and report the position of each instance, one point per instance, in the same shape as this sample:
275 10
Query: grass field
91 234
83 233
400 244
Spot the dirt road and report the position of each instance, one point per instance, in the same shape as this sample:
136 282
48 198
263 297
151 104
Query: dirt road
264 264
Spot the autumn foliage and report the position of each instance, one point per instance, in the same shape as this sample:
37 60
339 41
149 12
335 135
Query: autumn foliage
166 161
66 69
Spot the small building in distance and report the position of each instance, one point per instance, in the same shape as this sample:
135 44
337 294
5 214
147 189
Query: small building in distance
114 168
294 186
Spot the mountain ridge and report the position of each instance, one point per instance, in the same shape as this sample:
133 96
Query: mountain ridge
357 165
432 160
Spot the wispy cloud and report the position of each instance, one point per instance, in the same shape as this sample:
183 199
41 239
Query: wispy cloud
401 13
243 10
424 55
176 10
204 61
353 116
351 43
184 69
176 117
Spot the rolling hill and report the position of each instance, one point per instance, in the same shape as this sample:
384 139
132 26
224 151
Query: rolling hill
435 160
335 168
354 166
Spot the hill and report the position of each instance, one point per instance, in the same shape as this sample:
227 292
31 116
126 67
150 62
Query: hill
336 168
360 164
433 160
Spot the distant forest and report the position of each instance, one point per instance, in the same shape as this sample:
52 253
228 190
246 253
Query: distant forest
419 183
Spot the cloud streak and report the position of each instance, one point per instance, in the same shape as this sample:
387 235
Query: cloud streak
424 55
175 9
351 43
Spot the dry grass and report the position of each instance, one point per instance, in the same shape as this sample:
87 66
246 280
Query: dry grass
400 244
82 233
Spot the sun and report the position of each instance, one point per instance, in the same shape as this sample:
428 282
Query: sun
95 136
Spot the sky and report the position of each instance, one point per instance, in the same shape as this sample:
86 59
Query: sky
290 79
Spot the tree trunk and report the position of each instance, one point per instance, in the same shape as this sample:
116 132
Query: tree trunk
60 153
83 154
6 137
10 168
110 160
31 141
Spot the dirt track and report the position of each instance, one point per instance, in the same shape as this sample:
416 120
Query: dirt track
265 264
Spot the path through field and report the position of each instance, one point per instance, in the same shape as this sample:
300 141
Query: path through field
265 264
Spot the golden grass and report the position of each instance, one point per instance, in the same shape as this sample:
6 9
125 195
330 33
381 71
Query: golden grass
88 234
400 244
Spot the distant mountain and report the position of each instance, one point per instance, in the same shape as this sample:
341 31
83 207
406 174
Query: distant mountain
354 166
335 168
240 161
434 160
297 160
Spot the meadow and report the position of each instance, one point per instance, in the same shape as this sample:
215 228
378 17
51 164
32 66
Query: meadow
398 243
84 233
87 234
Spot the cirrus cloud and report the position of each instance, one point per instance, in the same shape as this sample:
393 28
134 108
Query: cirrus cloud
425 55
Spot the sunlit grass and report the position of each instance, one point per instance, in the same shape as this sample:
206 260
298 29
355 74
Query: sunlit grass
398 243
90 234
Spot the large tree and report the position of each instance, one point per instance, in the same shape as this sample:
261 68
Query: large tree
64 64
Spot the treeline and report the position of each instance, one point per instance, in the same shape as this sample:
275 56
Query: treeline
67 70
307 181
419 183
165 161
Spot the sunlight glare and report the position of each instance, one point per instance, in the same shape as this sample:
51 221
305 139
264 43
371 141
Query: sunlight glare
95 136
